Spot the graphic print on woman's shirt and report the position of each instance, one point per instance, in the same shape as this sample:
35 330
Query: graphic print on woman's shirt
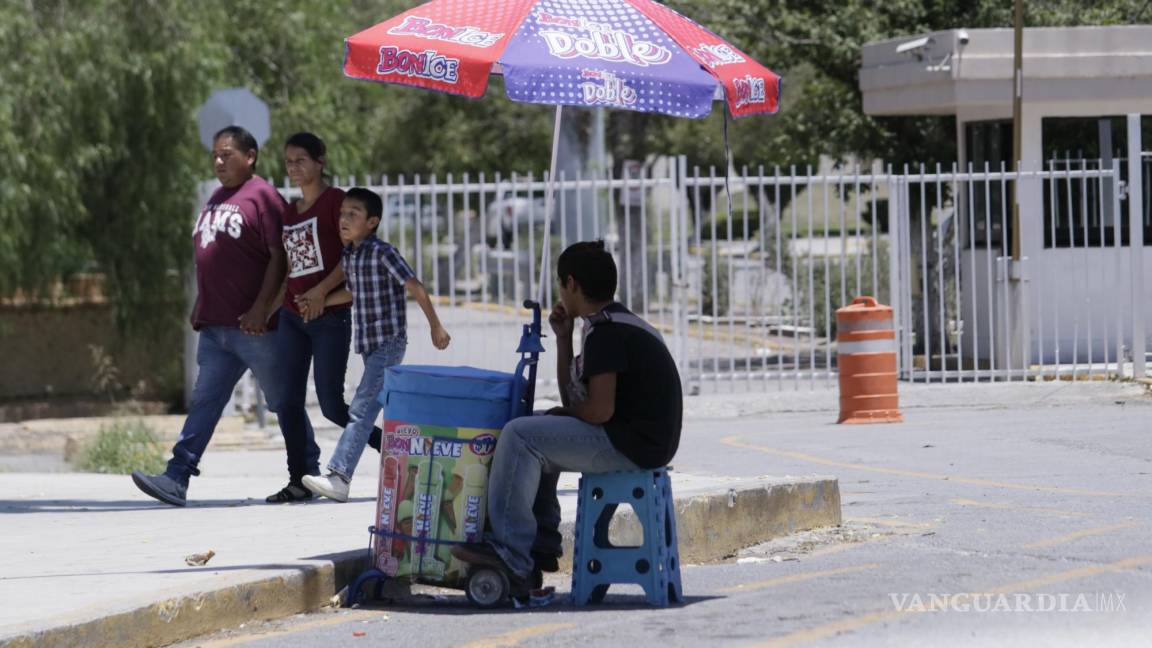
302 243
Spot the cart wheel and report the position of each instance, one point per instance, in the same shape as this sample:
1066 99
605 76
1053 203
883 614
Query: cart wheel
487 587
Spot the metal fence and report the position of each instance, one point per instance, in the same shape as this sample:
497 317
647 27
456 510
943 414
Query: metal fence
744 272
745 288
968 310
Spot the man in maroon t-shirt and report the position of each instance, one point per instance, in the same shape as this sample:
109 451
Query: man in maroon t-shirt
240 266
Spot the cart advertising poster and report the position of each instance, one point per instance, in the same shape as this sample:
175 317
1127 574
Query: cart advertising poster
433 492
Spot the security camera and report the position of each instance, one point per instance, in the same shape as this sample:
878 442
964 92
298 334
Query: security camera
963 36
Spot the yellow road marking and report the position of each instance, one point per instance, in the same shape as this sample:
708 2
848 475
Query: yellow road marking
514 637
337 619
735 442
796 578
1024 509
1050 542
830 629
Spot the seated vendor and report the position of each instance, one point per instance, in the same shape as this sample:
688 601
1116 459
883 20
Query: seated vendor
622 408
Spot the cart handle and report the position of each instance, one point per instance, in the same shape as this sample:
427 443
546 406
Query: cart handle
533 306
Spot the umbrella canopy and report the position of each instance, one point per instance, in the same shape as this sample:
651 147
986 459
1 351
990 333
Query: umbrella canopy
630 54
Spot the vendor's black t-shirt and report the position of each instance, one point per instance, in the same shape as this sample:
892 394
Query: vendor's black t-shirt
645 426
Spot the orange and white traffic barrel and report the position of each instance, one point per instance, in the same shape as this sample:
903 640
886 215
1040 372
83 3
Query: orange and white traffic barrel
866 349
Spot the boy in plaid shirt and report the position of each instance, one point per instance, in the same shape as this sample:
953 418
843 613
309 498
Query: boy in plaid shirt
378 278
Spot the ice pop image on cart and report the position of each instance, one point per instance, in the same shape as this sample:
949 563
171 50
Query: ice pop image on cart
441 427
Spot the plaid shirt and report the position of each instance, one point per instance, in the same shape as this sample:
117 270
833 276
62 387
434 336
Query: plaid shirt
376 275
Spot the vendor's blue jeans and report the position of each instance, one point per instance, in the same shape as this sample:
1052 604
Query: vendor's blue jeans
322 346
223 355
365 406
531 452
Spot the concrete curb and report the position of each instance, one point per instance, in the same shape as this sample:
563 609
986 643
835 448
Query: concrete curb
710 527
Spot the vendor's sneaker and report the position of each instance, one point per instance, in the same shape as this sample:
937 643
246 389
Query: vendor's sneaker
332 486
161 487
293 492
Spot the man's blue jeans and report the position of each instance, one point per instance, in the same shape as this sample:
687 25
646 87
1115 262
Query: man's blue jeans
321 345
522 502
365 406
223 354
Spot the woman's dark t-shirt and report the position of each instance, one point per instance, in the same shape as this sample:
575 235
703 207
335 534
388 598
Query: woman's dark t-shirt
645 426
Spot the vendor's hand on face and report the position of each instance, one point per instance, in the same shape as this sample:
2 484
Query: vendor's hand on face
561 321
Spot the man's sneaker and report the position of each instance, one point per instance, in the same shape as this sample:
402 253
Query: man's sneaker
161 487
332 486
293 492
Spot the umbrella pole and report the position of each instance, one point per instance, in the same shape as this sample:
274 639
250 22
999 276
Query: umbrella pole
549 201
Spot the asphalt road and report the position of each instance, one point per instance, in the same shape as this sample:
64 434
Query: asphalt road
982 525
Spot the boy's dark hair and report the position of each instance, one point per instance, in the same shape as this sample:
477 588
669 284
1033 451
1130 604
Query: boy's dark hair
311 143
592 267
242 139
370 199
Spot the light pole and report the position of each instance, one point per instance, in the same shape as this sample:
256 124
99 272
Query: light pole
1017 116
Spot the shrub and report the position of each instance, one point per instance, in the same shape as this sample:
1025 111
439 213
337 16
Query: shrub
121 447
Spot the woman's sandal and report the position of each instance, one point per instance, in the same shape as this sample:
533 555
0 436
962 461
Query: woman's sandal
290 493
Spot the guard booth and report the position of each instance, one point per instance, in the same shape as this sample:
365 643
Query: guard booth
1079 294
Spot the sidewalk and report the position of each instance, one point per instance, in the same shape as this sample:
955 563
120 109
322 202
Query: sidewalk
88 560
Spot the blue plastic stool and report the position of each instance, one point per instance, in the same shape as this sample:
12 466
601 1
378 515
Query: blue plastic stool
597 564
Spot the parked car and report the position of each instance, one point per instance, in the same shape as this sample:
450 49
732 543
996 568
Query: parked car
509 212
400 211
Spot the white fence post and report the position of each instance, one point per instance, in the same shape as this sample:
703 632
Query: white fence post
897 260
1136 242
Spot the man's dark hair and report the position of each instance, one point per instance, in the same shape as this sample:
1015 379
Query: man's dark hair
311 143
370 199
241 139
592 267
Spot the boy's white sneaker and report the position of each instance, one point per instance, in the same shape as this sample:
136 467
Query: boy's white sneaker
332 486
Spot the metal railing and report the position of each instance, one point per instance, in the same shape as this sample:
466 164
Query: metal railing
744 273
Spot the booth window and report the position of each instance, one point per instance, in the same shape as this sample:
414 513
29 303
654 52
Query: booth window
1081 212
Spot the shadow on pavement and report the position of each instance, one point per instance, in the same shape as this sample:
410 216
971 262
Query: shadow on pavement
143 504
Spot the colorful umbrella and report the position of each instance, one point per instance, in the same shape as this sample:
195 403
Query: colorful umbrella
630 54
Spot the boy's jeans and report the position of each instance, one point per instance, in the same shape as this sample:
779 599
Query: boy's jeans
365 406
531 450
322 346
223 354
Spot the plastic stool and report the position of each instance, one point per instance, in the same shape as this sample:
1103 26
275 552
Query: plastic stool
598 564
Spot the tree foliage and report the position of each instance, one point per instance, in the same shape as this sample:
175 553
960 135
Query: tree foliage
101 155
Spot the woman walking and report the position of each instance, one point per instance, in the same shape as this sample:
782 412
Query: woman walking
315 330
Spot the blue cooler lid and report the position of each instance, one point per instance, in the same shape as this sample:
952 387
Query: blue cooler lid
447 396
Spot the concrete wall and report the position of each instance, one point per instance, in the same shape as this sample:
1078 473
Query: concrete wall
45 354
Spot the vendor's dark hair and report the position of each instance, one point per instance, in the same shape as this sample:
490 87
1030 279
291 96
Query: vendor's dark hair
241 138
311 143
592 267
370 199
